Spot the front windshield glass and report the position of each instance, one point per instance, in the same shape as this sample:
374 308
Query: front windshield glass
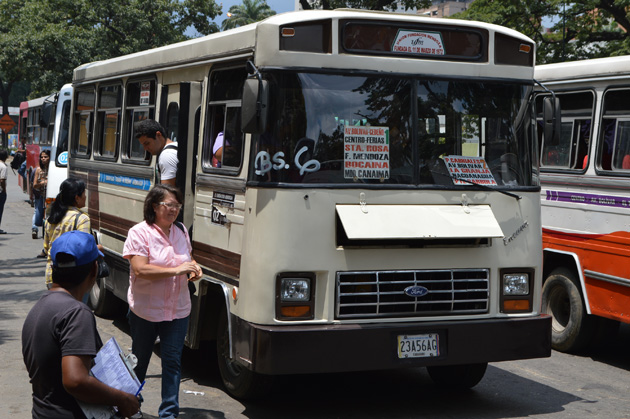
340 129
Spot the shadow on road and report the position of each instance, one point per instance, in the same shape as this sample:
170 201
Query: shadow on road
406 393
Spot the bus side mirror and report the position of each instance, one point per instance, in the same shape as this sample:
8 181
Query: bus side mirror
47 109
551 118
254 106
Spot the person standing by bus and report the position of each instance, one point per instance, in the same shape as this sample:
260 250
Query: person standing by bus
65 215
60 338
159 253
40 181
3 184
152 137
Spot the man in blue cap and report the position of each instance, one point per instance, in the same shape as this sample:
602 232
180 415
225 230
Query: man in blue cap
60 340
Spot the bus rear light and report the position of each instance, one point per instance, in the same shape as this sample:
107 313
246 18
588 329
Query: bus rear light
235 294
295 295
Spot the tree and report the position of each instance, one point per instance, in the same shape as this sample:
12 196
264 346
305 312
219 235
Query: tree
42 41
581 30
249 12
385 5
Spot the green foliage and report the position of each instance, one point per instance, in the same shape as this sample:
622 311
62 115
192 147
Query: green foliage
385 5
250 11
42 41
581 30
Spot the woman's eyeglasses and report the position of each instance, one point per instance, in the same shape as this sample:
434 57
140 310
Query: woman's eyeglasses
170 205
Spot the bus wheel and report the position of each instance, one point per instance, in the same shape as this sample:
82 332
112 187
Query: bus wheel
104 303
238 380
457 377
571 327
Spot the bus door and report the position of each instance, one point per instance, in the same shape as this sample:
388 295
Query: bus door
179 115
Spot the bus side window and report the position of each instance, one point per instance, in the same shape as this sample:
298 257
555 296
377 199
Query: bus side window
223 139
582 130
233 138
172 121
615 139
621 148
607 140
140 105
108 121
84 118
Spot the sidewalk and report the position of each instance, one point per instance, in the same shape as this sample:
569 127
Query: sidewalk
21 285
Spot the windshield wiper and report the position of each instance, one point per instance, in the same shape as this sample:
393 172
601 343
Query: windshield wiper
486 187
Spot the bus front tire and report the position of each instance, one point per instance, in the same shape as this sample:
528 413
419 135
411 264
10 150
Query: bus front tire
571 328
458 377
104 303
238 380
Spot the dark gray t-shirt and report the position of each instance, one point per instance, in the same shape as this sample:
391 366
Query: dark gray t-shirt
57 326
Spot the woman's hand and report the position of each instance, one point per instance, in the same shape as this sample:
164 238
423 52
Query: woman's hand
192 269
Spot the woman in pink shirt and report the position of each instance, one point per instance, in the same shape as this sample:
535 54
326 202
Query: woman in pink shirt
159 252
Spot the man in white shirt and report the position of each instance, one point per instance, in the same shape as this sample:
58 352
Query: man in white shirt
3 184
152 137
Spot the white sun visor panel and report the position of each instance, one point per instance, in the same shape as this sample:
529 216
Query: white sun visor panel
418 221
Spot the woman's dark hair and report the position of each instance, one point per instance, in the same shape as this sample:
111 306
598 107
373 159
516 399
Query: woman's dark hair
46 152
67 197
157 195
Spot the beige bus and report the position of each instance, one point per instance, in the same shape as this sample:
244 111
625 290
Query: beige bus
376 204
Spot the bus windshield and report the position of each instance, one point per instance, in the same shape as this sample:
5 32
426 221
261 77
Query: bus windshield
348 129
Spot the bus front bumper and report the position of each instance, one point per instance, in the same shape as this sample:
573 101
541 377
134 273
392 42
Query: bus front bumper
303 349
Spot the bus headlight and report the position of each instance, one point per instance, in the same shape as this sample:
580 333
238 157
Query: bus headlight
516 290
294 295
295 289
515 284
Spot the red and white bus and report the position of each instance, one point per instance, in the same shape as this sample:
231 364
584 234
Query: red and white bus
585 178
44 125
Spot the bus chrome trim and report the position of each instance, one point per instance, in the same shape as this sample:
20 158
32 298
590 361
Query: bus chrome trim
221 182
369 294
607 278
585 181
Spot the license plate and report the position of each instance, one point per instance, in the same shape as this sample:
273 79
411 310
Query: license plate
418 346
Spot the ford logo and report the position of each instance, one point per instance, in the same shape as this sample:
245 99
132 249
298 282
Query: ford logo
416 291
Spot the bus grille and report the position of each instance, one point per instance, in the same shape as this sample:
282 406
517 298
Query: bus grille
382 294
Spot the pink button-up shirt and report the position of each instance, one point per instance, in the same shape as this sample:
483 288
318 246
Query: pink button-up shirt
163 299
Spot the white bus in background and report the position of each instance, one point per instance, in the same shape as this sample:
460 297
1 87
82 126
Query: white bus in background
376 204
585 177
44 125
58 168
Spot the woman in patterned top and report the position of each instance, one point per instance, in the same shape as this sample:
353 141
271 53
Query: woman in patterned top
65 215
40 181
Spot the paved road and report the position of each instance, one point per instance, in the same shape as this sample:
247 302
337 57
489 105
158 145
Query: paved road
594 386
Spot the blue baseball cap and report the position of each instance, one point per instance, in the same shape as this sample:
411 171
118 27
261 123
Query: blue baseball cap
79 245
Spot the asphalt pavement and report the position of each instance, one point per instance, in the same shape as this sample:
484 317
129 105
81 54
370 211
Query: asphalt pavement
21 285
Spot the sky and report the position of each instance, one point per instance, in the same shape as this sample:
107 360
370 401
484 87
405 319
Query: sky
280 6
